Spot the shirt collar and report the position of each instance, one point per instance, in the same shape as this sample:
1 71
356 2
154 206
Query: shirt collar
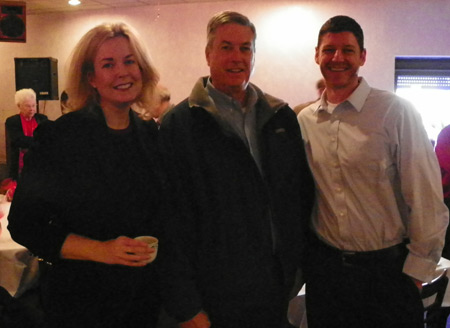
355 100
223 101
26 118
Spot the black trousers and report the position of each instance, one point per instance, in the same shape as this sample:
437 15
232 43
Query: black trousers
265 308
250 317
358 290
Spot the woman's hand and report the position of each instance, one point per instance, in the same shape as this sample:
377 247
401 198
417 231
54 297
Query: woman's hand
122 250
125 251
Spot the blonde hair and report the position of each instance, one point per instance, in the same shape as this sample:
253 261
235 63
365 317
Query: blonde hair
80 91
24 94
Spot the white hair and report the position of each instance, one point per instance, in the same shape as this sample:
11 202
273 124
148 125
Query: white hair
24 94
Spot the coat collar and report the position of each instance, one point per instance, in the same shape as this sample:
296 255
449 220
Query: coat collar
266 104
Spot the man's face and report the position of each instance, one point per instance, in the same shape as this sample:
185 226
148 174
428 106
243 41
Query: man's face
339 58
231 58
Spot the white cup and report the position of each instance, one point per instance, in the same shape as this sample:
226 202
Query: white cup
153 243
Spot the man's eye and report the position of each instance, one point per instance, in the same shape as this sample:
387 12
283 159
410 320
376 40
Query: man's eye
107 65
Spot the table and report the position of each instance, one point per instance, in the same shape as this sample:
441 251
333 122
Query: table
18 268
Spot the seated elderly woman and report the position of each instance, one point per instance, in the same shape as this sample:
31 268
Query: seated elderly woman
19 130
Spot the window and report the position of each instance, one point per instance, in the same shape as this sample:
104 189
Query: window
425 81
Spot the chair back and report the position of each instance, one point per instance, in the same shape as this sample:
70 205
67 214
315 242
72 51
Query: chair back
432 296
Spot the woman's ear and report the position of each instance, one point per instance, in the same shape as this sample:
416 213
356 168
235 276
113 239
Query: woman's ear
91 79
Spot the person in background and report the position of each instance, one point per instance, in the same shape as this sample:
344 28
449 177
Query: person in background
162 103
244 192
379 221
442 150
90 185
19 130
320 86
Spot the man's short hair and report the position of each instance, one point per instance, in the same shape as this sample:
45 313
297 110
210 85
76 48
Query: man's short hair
339 24
227 17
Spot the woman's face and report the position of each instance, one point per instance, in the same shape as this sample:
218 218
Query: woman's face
117 76
28 107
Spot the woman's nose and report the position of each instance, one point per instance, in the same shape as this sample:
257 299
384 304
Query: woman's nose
121 69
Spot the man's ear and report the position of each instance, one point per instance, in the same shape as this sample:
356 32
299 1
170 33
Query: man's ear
363 57
316 56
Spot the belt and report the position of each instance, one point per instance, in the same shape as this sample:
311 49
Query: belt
395 252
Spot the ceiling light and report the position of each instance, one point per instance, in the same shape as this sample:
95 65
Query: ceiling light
74 2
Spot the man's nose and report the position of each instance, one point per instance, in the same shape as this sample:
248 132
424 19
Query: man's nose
338 55
236 54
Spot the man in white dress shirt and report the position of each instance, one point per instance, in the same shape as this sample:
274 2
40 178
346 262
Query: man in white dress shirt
380 221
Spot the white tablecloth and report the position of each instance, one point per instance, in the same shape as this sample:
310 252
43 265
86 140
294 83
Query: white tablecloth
18 269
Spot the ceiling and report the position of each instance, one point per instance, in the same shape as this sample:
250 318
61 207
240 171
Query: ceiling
34 7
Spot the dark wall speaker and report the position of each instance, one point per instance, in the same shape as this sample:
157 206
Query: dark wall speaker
13 21
39 74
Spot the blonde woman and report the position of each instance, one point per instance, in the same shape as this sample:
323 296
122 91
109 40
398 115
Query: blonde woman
91 185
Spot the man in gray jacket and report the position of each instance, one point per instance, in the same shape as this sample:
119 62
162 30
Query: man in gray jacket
243 192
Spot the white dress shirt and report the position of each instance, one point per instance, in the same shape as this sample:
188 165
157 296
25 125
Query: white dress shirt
377 176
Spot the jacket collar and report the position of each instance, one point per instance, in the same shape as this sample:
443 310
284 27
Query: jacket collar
95 112
200 97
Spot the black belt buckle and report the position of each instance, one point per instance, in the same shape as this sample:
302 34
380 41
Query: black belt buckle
346 255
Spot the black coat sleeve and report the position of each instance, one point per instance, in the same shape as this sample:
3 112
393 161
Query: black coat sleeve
34 207
180 293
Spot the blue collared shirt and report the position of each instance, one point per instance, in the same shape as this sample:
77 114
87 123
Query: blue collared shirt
241 120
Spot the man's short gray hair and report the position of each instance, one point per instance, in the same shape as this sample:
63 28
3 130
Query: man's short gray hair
227 17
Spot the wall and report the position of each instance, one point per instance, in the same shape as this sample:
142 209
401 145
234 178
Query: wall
287 32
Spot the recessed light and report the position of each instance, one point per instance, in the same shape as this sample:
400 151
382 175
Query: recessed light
74 2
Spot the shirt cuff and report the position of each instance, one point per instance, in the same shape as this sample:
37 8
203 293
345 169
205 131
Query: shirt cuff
419 268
